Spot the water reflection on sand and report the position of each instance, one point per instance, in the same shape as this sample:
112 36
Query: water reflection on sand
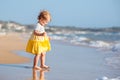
39 74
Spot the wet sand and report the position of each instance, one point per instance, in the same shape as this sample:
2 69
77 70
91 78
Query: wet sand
8 44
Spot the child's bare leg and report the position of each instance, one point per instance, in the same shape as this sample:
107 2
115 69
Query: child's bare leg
42 58
36 59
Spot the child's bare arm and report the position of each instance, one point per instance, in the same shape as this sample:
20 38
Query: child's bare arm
36 32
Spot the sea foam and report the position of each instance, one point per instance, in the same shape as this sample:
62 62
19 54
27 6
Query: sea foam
106 78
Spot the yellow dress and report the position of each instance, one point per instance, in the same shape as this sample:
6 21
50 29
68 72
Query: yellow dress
38 44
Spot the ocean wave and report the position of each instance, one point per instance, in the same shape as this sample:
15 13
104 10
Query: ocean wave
116 47
99 44
106 78
103 40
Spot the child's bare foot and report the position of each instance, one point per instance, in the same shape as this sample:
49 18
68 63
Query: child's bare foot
37 68
45 70
45 67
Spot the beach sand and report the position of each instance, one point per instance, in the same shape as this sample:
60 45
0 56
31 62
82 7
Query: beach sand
8 44
67 62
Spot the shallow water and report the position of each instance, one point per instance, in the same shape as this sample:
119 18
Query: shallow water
67 62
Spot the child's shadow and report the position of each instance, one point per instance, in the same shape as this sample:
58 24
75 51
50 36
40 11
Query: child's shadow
41 74
16 65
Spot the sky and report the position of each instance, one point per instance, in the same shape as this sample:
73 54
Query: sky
78 13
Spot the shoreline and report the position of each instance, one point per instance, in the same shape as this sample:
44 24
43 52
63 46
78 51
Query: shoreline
9 43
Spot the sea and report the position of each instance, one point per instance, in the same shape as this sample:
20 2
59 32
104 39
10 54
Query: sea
106 40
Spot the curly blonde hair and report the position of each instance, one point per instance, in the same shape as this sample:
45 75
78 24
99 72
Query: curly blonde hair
45 15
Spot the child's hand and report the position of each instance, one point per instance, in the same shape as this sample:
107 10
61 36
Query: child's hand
49 38
44 34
